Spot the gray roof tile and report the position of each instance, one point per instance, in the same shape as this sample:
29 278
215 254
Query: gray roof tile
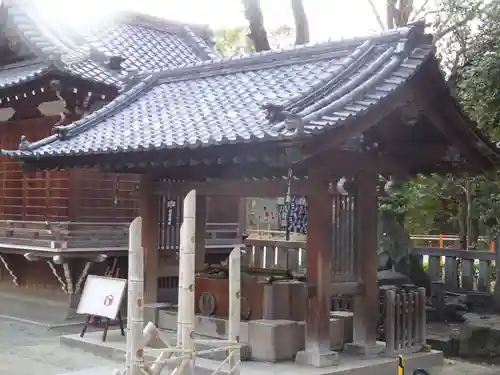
223 101
19 73
146 44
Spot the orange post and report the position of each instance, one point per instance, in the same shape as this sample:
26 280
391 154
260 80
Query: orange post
492 246
441 245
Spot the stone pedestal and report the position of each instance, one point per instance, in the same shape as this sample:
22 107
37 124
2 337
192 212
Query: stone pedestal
365 350
336 334
317 359
272 340
347 318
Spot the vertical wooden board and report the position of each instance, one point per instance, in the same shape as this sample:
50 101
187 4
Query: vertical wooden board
467 274
450 273
484 280
434 270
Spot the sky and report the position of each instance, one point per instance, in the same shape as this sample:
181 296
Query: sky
327 18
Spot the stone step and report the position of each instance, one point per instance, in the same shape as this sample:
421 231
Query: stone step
221 355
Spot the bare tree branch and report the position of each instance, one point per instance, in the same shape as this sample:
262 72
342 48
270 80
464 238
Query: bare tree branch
418 12
301 22
258 34
377 15
455 26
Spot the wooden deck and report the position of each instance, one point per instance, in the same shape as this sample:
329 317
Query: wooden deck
67 237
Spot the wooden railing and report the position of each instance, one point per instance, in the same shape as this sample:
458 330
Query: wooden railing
463 270
289 255
56 236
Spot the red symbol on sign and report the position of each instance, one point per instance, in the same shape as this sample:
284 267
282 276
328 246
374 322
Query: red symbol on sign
108 300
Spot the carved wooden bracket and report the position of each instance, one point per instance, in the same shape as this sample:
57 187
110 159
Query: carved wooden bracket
15 280
83 276
69 280
56 274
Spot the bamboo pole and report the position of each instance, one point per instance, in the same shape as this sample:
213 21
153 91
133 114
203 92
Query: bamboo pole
135 311
234 309
187 279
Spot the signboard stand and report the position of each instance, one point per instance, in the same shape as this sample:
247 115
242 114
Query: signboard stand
102 298
106 325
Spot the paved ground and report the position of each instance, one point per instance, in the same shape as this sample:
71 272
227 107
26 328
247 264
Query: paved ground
34 350
27 349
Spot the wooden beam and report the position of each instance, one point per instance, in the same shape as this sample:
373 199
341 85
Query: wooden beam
148 210
243 188
235 188
353 162
366 305
200 231
319 262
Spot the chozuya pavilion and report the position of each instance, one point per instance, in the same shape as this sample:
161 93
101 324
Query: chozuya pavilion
355 109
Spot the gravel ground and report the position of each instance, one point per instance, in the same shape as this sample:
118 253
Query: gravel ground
28 349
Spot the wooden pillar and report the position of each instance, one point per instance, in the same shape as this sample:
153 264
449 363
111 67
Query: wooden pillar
200 223
319 260
242 217
148 210
366 305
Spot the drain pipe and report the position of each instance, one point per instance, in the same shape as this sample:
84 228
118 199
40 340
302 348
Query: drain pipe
135 310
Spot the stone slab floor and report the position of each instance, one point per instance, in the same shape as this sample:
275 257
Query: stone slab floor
27 349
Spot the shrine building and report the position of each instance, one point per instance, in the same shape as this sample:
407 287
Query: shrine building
362 111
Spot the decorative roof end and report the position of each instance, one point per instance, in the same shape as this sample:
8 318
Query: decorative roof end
24 144
115 63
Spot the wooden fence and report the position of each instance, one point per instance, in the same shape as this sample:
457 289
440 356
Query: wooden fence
405 327
463 270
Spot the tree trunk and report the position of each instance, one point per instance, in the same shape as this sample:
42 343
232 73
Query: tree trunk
257 34
301 22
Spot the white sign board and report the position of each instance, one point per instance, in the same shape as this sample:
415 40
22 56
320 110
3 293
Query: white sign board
102 296
264 211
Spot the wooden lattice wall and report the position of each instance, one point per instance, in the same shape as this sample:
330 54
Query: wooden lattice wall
73 195
34 195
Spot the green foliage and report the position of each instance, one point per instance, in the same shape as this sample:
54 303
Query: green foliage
469 48
233 41
236 42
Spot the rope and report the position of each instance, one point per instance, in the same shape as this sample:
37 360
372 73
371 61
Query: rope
288 203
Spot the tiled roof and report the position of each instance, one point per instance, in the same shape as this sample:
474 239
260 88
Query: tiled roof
261 97
24 72
145 43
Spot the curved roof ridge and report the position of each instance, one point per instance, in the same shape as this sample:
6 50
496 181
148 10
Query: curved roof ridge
308 52
299 101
